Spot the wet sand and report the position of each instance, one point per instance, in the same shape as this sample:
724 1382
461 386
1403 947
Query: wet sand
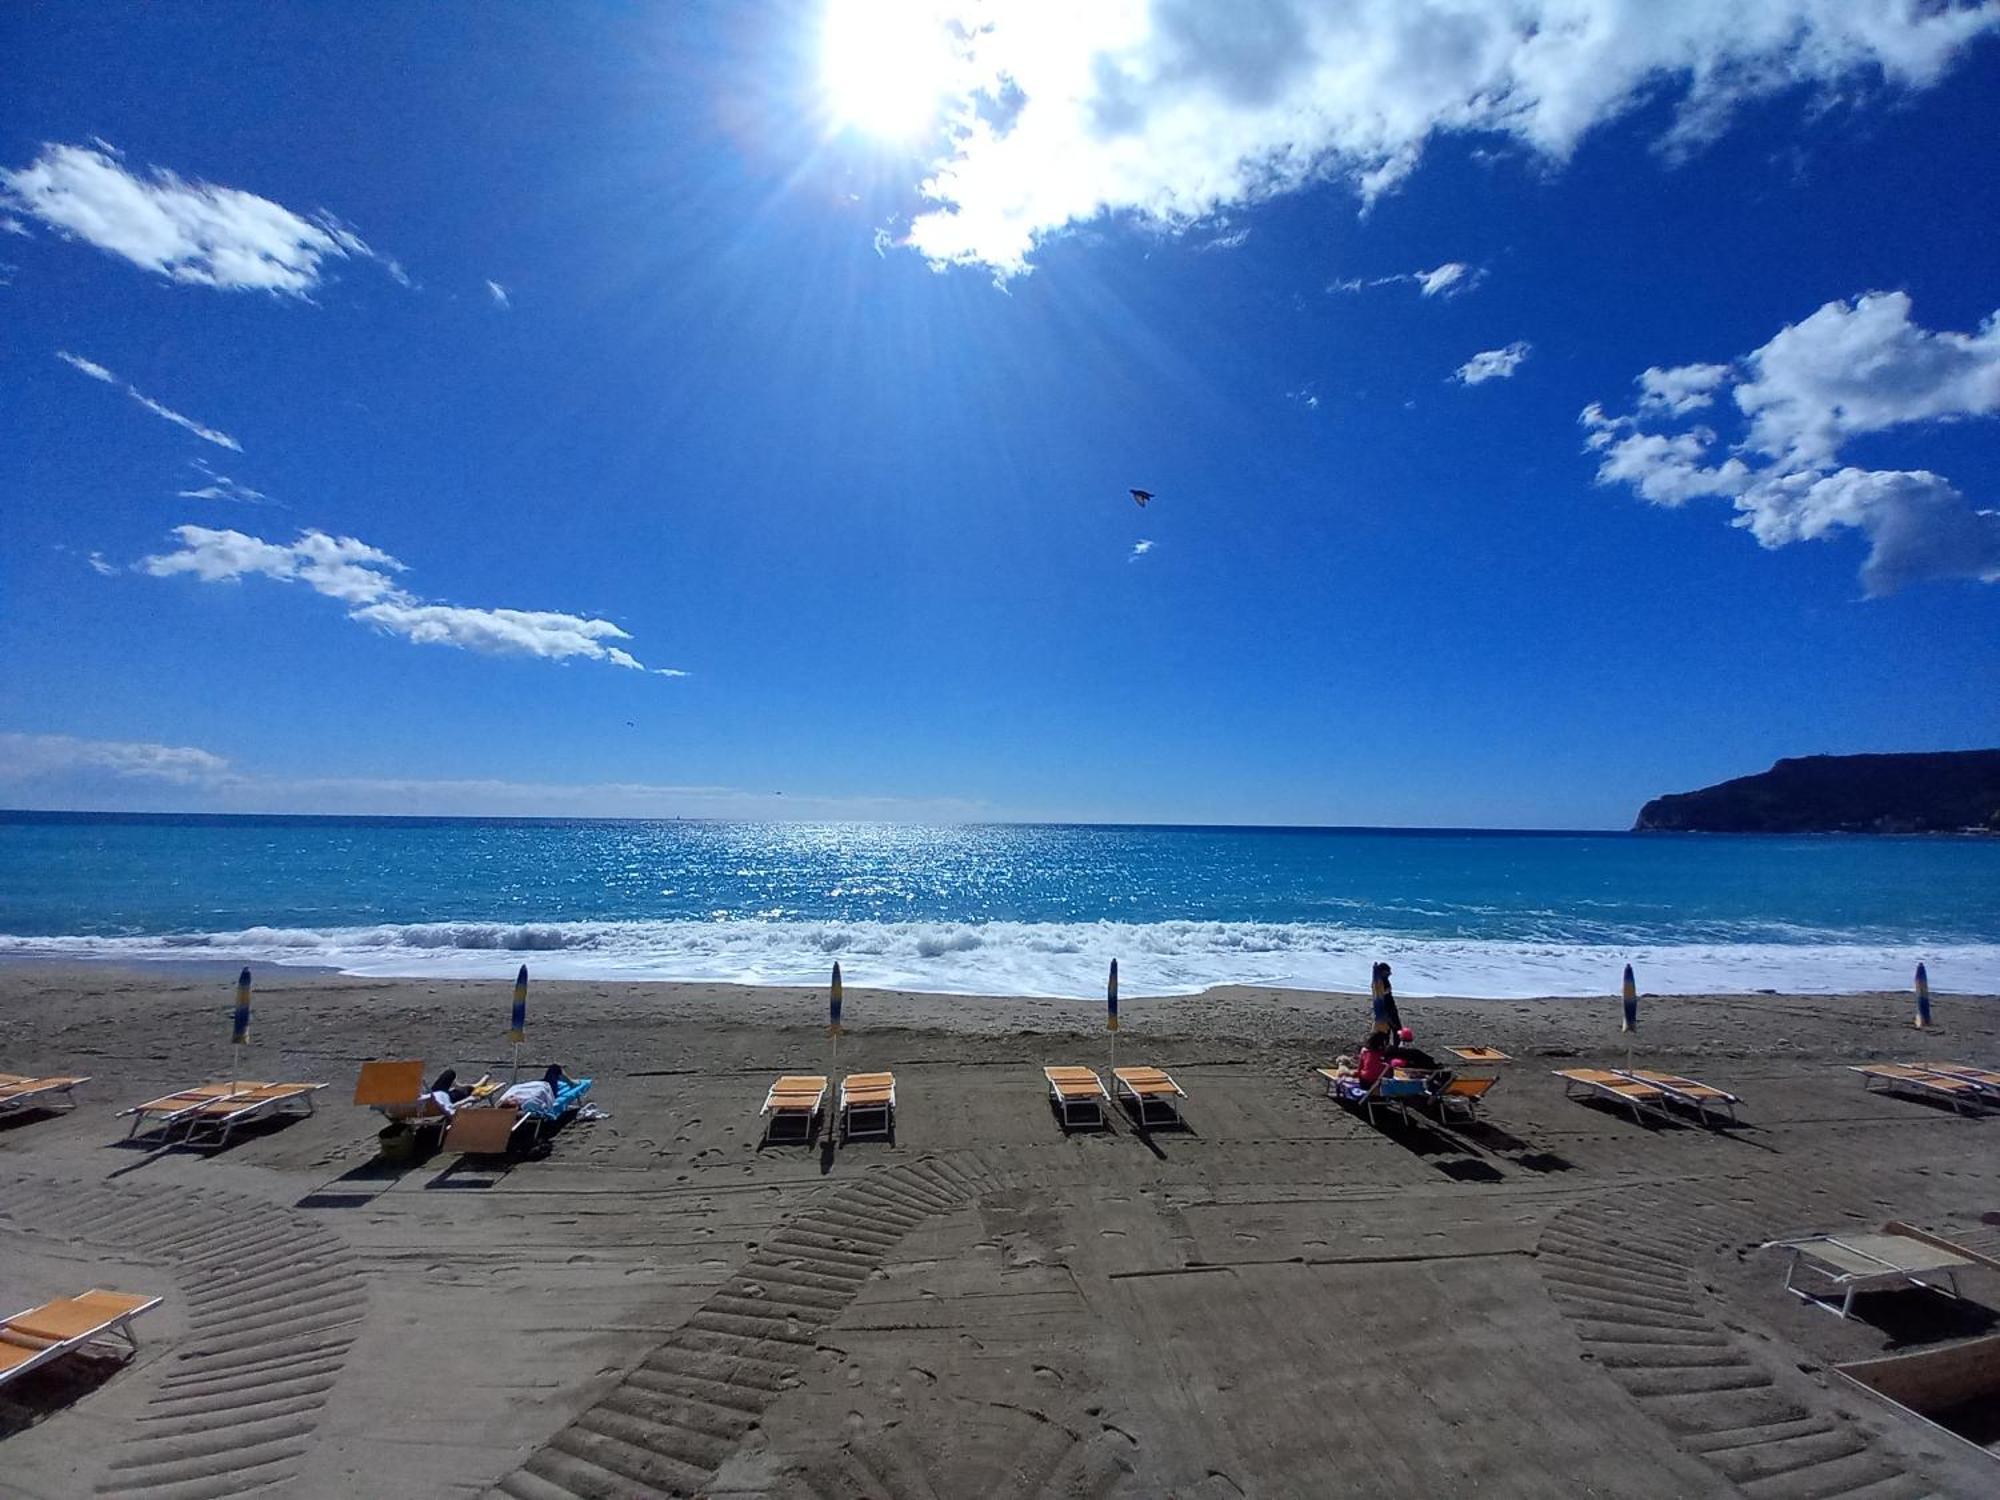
1279 1300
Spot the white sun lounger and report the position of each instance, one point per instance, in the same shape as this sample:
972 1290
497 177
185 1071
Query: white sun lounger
44 1334
218 1118
1614 1088
1077 1092
17 1092
169 1110
791 1108
1689 1093
867 1105
1925 1083
1852 1263
1985 1079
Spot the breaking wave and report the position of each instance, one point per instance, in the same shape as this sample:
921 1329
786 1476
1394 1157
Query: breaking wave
1051 958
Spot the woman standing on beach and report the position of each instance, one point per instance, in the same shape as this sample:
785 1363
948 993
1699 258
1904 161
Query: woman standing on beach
1387 1017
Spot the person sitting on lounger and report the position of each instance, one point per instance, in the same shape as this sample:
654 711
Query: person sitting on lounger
537 1094
1373 1061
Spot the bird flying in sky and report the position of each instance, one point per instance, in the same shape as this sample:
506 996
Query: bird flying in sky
1142 496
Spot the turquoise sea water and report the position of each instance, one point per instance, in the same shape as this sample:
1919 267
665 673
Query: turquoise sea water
1016 909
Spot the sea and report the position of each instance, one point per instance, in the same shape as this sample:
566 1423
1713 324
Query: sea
1015 909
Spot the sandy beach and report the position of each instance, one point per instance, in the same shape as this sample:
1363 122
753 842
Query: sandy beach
1279 1300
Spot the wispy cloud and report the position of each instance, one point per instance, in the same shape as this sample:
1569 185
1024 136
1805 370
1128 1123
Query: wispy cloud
499 294
1305 396
221 487
1494 364
1140 549
100 567
1234 239
1852 369
33 757
62 771
1448 280
89 367
190 232
96 371
1063 114
364 578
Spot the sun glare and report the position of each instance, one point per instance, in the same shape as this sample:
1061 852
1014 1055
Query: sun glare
885 65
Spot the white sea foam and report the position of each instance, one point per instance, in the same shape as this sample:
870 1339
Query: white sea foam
1054 958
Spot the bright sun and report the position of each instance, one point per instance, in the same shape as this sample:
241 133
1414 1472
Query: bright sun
885 64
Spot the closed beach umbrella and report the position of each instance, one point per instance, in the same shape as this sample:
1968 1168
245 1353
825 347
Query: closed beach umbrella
833 1004
517 1027
1923 998
1111 999
1631 994
239 1031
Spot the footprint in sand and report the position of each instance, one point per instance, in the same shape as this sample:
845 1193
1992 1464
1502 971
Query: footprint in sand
1053 1377
1243 1238
927 1377
1112 1234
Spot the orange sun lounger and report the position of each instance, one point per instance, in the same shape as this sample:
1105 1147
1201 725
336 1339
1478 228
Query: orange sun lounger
47 1333
250 1102
1464 1093
17 1092
1153 1094
1925 1083
1075 1091
791 1108
169 1110
868 1105
1614 1088
1689 1093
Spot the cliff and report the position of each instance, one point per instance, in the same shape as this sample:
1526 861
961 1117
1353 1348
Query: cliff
1937 792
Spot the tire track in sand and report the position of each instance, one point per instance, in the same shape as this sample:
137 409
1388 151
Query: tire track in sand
681 1412
272 1302
1622 1274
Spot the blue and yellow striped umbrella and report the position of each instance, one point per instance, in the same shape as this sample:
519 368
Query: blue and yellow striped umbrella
1631 994
1923 998
833 999
239 1031
517 1026
1111 999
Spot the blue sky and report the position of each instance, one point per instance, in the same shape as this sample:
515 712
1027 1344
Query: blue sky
550 323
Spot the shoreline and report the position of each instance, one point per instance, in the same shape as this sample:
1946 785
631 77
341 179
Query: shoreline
268 975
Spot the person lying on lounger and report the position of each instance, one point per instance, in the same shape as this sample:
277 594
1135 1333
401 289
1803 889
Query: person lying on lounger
447 1093
1408 1055
539 1093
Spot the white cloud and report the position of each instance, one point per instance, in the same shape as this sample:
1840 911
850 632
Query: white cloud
36 757
498 293
1176 110
59 771
192 232
89 367
222 487
96 371
1494 364
100 567
1235 239
1850 369
1140 549
11 225
1447 280
363 578
1678 391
